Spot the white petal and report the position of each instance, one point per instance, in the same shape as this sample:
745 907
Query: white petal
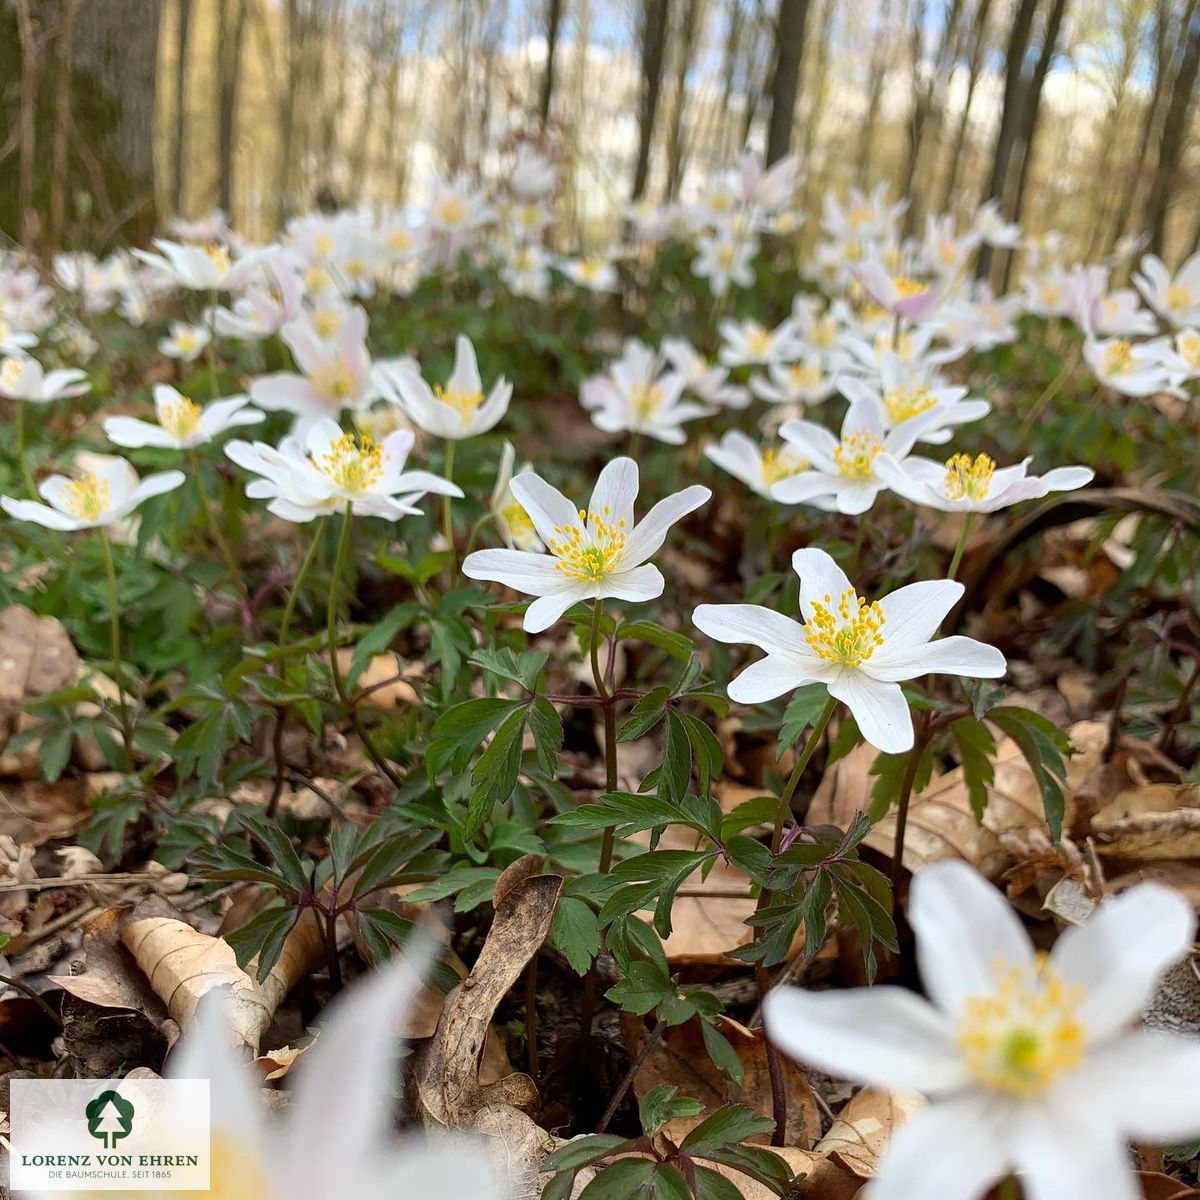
1066 1156
651 531
913 613
617 488
642 583
948 656
1120 954
547 609
750 623
804 488
963 926
534 574
820 579
1147 1085
856 498
154 485
952 1150
459 1169
879 708
466 368
884 1036
40 514
134 434
774 676
547 507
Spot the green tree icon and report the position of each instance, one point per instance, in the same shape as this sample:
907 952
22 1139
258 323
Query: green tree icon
109 1118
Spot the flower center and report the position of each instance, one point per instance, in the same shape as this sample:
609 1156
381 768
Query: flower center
10 373
238 1171
903 404
906 287
326 321
645 400
89 497
1179 296
758 341
848 633
323 244
858 217
186 342
335 381
452 211
517 520
855 453
218 256
1189 347
802 376
1118 358
464 402
1020 1037
353 464
399 240
967 479
180 418
590 268
781 464
589 552
725 255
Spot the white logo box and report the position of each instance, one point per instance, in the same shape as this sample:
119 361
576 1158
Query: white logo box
69 1135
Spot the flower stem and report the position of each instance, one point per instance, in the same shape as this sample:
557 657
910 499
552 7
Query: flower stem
860 538
290 607
447 516
335 670
761 977
114 630
961 546
1051 390
214 526
635 444
26 473
1009 1189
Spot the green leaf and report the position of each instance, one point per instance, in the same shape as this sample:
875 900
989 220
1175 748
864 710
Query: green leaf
626 1179
54 751
677 645
1045 748
676 770
461 730
730 1124
722 1053
643 989
711 1185
978 749
803 710
263 936
495 774
583 1151
889 772
576 932
547 728
662 1104
644 715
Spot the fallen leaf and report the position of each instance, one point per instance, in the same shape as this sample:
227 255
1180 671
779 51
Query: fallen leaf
860 1133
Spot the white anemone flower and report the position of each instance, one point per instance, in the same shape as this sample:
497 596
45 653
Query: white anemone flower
843 468
458 410
332 469
802 382
1030 1061
104 491
992 228
511 519
532 175
860 651
758 469
186 342
710 383
637 396
197 268
596 274
336 1136
974 485
725 259
182 423
749 344
15 341
1133 369
901 295
22 378
1176 298
457 208
593 553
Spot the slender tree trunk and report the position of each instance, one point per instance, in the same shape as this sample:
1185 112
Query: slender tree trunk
654 40
954 167
816 104
689 28
232 33
59 179
31 69
293 40
785 80
874 92
179 142
553 21
729 64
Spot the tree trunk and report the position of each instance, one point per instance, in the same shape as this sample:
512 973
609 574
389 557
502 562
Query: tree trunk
733 39
231 31
59 175
785 80
690 25
553 21
874 92
1010 116
179 142
654 40
816 105
954 167
31 68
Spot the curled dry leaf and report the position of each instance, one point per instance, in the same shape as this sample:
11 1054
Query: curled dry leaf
860 1133
681 1059
448 1083
183 965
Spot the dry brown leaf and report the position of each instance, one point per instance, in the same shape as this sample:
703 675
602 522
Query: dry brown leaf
37 656
382 681
860 1133
681 1059
183 965
448 1083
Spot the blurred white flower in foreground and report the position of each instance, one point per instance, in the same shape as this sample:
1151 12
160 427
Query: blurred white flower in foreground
23 379
595 274
747 343
336 1137
458 410
1176 298
186 342
1132 369
966 484
594 553
512 520
861 651
1030 1061
723 259
182 423
105 490
197 268
708 382
15 341
758 469
332 469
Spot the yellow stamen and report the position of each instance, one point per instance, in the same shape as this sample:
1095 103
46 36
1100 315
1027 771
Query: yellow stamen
1179 297
218 255
452 211
353 464
589 552
326 322
906 287
781 464
180 418
1189 347
967 479
465 402
323 244
804 377
758 340
89 497
10 372
520 527
335 381
855 453
645 400
903 404
1019 1038
1118 358
848 633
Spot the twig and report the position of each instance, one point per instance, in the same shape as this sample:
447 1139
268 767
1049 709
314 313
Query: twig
627 1082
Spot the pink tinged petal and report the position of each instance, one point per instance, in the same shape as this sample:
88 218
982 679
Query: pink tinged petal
545 610
774 676
617 488
1146 1085
879 708
1067 1156
947 656
820 579
963 927
953 1150
882 1036
642 583
1120 954
651 531
912 614
546 506
533 574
